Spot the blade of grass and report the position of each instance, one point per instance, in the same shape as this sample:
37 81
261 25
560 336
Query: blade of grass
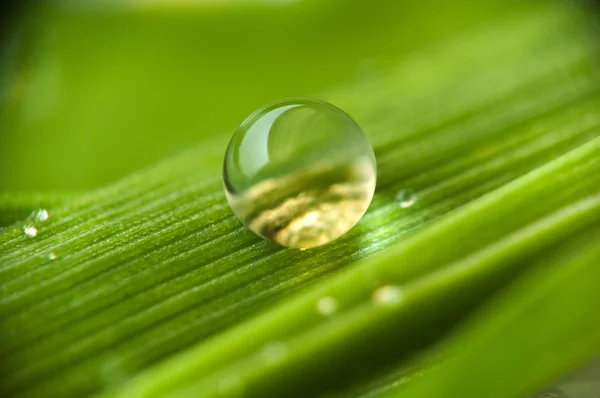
317 349
156 263
560 294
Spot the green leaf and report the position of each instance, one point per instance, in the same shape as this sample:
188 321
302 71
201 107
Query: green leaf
436 290
156 288
543 299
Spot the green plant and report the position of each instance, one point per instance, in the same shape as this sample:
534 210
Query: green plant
490 278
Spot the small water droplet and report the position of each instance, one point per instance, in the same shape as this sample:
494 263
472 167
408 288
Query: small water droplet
274 352
52 256
387 295
327 306
40 215
30 231
406 198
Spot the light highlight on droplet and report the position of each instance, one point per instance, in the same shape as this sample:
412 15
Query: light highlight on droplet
52 256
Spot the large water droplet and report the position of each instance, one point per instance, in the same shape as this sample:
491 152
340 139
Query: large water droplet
327 306
30 230
299 172
387 295
406 198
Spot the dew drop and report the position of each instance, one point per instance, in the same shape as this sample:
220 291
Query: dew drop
30 230
40 215
406 198
52 256
387 295
274 352
327 306
299 172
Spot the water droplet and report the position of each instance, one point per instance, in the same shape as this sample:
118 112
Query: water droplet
40 215
299 172
52 256
327 306
406 198
387 295
274 352
30 231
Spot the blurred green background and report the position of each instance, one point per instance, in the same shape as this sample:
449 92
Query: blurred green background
91 91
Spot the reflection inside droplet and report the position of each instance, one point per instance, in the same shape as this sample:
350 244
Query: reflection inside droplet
52 256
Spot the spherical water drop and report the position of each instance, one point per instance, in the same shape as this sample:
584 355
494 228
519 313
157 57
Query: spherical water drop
406 198
52 256
30 230
299 172
327 306
40 215
387 295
